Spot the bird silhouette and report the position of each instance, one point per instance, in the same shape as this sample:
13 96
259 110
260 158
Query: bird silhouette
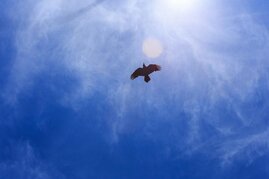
145 71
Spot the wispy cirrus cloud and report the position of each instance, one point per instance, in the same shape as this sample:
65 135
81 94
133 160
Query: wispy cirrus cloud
246 148
215 65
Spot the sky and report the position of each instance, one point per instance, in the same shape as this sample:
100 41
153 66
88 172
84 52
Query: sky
69 110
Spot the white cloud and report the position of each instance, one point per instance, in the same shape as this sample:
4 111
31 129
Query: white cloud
213 57
246 148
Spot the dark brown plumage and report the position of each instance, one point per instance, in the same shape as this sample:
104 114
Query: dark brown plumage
145 71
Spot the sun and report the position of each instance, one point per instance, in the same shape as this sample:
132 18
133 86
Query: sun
152 47
180 2
178 5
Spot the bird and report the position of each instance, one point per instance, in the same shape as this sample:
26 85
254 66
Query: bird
145 71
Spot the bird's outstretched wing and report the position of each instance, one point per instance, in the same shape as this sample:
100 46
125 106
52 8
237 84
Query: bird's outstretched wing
153 67
136 73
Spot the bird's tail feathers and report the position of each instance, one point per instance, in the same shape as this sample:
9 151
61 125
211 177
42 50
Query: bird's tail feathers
147 79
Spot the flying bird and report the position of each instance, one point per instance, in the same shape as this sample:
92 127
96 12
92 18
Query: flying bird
145 71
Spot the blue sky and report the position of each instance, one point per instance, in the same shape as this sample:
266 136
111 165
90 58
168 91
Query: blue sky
69 110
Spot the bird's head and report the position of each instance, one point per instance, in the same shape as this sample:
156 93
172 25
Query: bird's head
144 66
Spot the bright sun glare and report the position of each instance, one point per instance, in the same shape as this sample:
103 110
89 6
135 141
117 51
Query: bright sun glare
173 10
181 5
179 2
